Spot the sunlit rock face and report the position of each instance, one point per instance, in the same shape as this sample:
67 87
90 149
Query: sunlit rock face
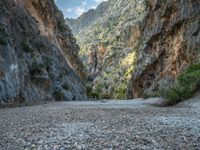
38 54
170 43
109 37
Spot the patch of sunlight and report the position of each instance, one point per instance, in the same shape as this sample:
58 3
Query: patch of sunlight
130 59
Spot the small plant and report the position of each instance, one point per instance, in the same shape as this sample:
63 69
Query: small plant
66 87
121 91
94 95
59 95
61 25
47 63
88 89
26 47
146 95
2 29
61 22
39 44
3 41
105 96
36 68
147 4
186 86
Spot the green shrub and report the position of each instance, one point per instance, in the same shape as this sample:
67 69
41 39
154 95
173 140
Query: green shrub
47 63
66 87
88 89
61 22
146 95
2 30
94 94
39 44
187 84
105 96
36 68
59 95
61 25
147 4
121 94
121 91
3 41
26 47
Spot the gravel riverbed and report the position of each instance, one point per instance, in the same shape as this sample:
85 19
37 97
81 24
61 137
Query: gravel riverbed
101 125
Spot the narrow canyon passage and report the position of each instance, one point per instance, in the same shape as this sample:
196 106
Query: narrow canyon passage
135 124
81 60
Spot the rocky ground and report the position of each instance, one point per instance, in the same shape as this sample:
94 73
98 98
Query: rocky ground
135 124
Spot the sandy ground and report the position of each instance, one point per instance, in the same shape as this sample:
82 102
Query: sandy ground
101 125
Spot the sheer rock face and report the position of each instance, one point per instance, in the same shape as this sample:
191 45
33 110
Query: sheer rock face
38 54
170 43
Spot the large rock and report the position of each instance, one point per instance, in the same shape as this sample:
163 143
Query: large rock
170 43
37 51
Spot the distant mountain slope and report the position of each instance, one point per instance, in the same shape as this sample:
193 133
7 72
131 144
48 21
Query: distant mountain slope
108 37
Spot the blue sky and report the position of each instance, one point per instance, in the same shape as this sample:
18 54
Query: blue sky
74 8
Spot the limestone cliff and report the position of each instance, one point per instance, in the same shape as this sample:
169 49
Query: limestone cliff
38 54
170 42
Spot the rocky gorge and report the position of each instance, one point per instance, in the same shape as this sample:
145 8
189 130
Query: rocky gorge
109 37
106 80
120 56
136 48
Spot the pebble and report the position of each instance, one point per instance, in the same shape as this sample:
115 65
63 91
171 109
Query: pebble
111 125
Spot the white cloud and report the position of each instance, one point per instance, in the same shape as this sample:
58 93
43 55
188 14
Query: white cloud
93 7
79 10
99 1
84 3
83 7
69 10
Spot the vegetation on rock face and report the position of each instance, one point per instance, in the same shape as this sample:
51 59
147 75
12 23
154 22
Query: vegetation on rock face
3 41
187 84
33 65
110 29
59 95
169 45
36 68
61 24
3 36
26 47
66 87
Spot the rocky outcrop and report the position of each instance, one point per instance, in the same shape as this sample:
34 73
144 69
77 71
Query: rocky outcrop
38 54
170 42
108 38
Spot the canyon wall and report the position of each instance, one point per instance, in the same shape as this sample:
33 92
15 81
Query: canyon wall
170 42
38 54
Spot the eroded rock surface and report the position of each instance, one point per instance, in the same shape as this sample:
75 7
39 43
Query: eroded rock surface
38 54
170 43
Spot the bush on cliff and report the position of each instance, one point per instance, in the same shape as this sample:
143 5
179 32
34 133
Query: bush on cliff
186 86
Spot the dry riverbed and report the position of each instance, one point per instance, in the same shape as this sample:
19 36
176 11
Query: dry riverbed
101 125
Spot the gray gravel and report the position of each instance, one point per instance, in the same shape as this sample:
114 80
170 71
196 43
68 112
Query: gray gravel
101 125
